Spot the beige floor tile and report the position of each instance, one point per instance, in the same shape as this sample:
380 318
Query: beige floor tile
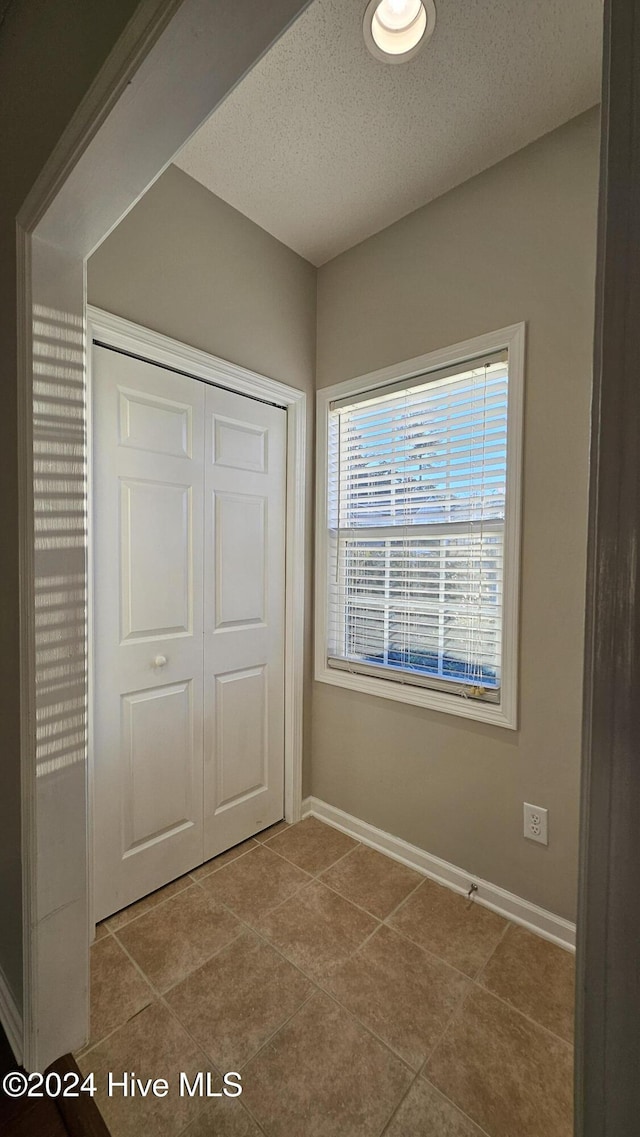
232 1004
118 990
225 1117
535 976
508 1074
399 992
458 930
312 845
101 931
323 1075
425 1113
126 915
222 859
317 929
173 940
152 1045
255 883
373 881
272 831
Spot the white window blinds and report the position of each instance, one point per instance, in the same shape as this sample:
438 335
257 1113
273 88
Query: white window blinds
416 509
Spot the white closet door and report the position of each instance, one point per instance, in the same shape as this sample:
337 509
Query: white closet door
148 627
245 469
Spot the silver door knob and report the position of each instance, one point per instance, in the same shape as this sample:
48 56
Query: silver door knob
160 661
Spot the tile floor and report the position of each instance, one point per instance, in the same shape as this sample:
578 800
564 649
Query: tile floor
355 997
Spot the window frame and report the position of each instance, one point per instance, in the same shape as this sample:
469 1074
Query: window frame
505 712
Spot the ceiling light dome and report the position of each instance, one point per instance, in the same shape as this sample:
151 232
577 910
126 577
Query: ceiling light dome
394 30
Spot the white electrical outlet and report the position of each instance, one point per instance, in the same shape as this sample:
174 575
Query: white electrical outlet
536 823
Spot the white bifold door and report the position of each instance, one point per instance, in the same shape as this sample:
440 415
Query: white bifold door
188 623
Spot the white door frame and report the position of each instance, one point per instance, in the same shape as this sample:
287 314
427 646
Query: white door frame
116 332
174 63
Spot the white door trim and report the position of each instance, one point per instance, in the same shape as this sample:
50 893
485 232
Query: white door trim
174 63
116 332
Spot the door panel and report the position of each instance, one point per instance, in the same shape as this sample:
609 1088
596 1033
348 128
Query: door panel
161 426
158 789
241 743
245 469
156 534
240 537
239 445
148 627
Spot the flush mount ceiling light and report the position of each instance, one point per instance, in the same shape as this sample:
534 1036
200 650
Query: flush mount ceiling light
395 30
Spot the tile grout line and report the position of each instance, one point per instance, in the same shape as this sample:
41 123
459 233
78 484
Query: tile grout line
455 1017
367 911
379 920
207 1057
371 1031
152 908
368 1030
153 990
457 1014
477 981
429 951
210 1063
238 857
282 821
320 989
312 979
523 1014
274 1033
474 979
483 1132
248 928
390 1119
457 1011
482 969
303 884
114 933
203 1112
318 877
315 875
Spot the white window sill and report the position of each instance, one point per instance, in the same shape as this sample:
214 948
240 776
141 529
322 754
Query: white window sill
495 714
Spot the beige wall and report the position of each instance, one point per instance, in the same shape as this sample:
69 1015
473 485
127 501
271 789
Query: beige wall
515 243
49 55
186 264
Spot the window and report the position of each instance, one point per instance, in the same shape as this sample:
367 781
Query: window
418 504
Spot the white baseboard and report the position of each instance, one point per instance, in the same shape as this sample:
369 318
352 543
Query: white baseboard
10 1018
545 924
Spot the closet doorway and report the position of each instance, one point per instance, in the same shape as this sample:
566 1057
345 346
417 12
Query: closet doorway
188 618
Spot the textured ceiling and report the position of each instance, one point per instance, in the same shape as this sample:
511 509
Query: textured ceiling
322 145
